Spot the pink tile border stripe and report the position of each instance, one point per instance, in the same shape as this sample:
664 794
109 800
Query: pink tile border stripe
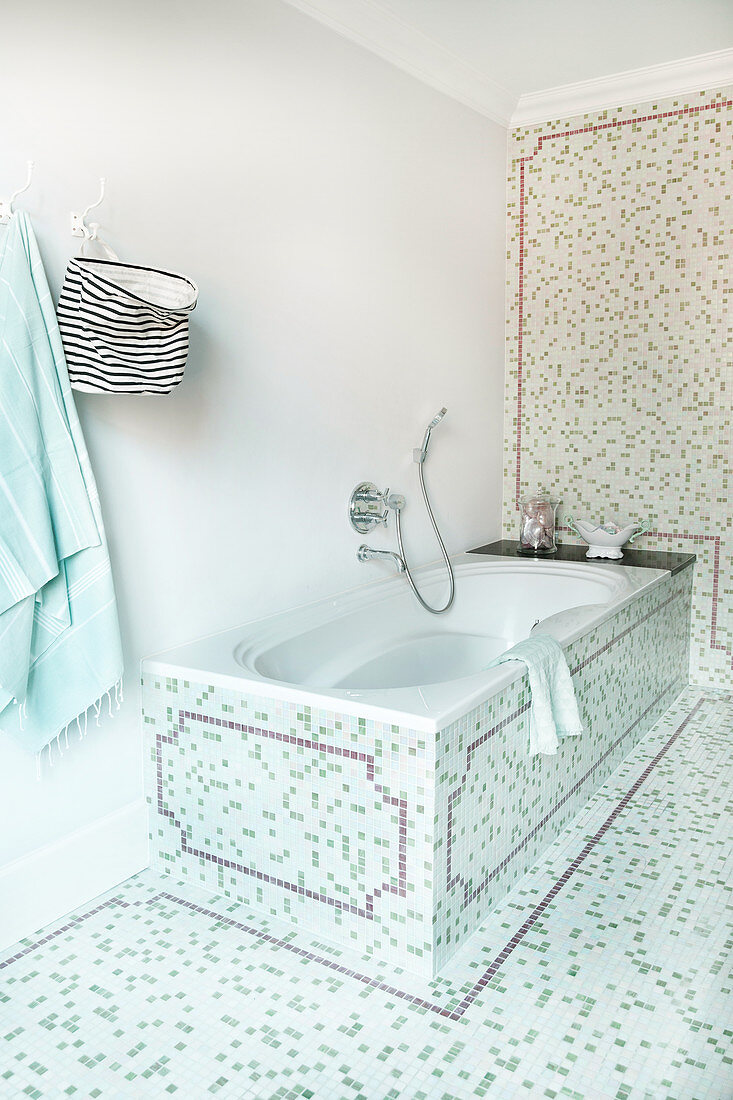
458 1010
522 161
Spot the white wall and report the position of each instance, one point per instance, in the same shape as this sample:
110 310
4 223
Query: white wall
345 225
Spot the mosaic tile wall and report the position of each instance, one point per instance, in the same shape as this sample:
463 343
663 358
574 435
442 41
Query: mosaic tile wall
619 366
497 808
336 823
602 975
309 815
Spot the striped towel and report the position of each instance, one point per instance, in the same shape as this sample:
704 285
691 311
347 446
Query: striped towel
59 636
124 327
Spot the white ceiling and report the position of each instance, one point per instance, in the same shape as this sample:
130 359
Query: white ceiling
529 45
492 52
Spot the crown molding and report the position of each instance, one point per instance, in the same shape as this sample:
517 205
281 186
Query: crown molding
691 74
376 29
380 32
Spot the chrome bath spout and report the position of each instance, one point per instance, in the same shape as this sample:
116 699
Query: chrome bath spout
365 553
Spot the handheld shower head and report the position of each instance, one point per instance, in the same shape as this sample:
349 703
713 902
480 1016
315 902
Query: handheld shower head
420 453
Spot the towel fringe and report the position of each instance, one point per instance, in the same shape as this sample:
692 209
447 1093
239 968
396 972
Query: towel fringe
97 704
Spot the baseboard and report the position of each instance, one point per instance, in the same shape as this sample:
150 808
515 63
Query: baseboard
51 881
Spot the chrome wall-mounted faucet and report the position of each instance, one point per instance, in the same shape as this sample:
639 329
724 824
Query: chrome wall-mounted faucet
368 508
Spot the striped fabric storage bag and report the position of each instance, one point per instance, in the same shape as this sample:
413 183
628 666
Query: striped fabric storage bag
124 327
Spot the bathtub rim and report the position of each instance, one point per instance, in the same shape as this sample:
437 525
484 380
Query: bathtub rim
211 659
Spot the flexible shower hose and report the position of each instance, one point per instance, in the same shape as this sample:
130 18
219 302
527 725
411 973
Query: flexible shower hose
408 574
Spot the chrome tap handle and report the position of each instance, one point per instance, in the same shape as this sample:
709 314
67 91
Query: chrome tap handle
369 507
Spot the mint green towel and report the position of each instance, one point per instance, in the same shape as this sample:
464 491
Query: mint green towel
554 710
59 635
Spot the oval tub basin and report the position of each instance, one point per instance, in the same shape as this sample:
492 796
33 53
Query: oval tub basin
374 650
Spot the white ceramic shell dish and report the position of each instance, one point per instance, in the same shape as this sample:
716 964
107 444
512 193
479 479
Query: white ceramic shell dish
605 540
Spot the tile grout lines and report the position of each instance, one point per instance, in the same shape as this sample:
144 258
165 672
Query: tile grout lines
367 910
570 870
491 971
522 162
490 876
400 887
715 539
65 928
453 880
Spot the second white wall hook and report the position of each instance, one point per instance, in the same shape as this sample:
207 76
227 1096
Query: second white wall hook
79 227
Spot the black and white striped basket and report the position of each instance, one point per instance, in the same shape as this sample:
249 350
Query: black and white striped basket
124 327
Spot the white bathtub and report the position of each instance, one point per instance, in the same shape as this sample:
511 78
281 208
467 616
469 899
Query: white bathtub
375 652
354 769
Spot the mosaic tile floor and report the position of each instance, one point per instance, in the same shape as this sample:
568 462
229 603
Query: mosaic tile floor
603 974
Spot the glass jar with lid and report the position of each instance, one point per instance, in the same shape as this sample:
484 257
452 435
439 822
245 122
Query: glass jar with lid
537 524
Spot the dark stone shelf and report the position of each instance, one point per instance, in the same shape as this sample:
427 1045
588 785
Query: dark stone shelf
647 559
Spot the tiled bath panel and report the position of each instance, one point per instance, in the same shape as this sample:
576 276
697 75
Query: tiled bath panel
619 372
309 815
384 840
605 973
497 808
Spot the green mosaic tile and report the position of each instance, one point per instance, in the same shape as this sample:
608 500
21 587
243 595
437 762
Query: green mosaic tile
605 972
618 346
378 837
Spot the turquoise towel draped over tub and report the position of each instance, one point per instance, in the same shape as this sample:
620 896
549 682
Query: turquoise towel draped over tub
60 646
553 709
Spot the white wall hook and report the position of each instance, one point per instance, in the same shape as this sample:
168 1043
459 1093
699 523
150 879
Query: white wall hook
79 227
6 205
